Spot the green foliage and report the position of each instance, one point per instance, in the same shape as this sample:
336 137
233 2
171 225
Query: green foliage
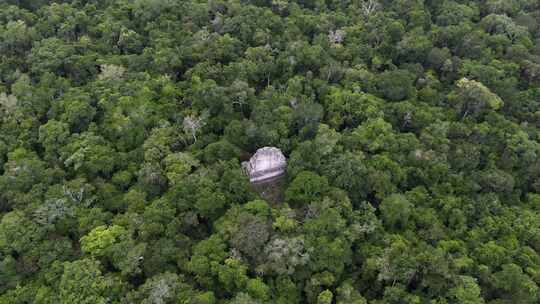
15 232
475 97
396 211
82 282
163 288
258 290
467 291
306 187
396 85
325 297
515 285
100 239
410 130
178 166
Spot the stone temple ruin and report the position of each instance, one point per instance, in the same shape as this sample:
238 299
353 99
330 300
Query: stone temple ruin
265 165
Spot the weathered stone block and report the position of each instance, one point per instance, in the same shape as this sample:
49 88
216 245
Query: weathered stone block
266 164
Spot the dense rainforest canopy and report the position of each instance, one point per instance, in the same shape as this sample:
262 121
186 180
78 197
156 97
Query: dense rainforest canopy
411 130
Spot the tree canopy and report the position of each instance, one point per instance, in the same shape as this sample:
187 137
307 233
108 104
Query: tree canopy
411 130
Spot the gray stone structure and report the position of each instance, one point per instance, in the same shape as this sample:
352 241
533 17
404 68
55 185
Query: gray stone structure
266 164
